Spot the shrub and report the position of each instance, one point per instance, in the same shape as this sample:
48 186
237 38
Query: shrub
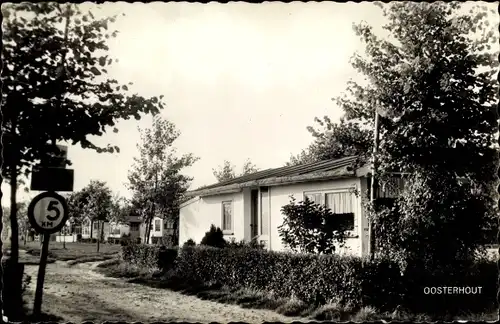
253 244
313 279
214 237
189 243
349 281
430 222
311 228
149 257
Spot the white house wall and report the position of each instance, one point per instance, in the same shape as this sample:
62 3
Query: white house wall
280 196
196 217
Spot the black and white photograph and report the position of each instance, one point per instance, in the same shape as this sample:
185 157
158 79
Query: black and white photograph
249 162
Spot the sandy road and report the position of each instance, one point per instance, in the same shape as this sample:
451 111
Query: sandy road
77 294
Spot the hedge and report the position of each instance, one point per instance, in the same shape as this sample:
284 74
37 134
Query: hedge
319 279
314 279
149 257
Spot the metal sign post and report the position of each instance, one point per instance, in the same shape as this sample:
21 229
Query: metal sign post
47 213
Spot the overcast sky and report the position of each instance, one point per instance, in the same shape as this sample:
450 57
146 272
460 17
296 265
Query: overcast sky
240 80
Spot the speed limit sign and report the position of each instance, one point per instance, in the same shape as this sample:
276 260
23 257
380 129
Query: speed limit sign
48 212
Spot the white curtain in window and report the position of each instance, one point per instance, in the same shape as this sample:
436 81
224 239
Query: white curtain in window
226 216
340 202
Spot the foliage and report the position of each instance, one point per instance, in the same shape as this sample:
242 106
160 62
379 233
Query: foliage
189 243
435 89
335 141
155 179
119 209
319 279
214 237
311 228
22 217
447 234
76 201
311 278
97 200
54 87
227 171
149 257
253 244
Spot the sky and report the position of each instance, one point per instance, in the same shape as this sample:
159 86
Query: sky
240 81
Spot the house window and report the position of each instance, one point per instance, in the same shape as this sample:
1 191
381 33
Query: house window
157 225
134 226
227 216
96 225
86 229
169 224
315 197
341 203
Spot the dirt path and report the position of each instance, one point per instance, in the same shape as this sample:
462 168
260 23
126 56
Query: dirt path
77 294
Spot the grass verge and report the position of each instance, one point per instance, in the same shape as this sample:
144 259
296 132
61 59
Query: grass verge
250 298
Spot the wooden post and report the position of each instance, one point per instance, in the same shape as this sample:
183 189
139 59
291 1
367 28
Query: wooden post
37 306
373 187
98 234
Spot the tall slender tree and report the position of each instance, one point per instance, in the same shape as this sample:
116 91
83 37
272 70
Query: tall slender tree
156 180
98 205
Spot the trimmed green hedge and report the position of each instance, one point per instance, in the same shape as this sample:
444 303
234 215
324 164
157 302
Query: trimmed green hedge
314 279
319 279
150 257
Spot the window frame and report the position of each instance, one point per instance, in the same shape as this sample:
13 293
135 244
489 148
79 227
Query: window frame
157 229
168 225
354 233
134 226
231 230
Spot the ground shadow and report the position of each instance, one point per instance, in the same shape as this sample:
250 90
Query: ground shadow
76 306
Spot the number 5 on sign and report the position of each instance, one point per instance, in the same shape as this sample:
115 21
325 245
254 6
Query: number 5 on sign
48 212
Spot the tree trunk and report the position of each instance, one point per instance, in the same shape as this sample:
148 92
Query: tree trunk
148 230
175 231
98 232
102 231
1 254
14 228
64 240
145 228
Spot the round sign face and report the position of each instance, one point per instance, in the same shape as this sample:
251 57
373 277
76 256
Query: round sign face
48 212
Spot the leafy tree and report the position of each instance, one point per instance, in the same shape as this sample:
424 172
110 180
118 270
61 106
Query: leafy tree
156 181
76 201
98 205
335 141
214 237
55 87
227 171
119 209
22 217
311 228
433 84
